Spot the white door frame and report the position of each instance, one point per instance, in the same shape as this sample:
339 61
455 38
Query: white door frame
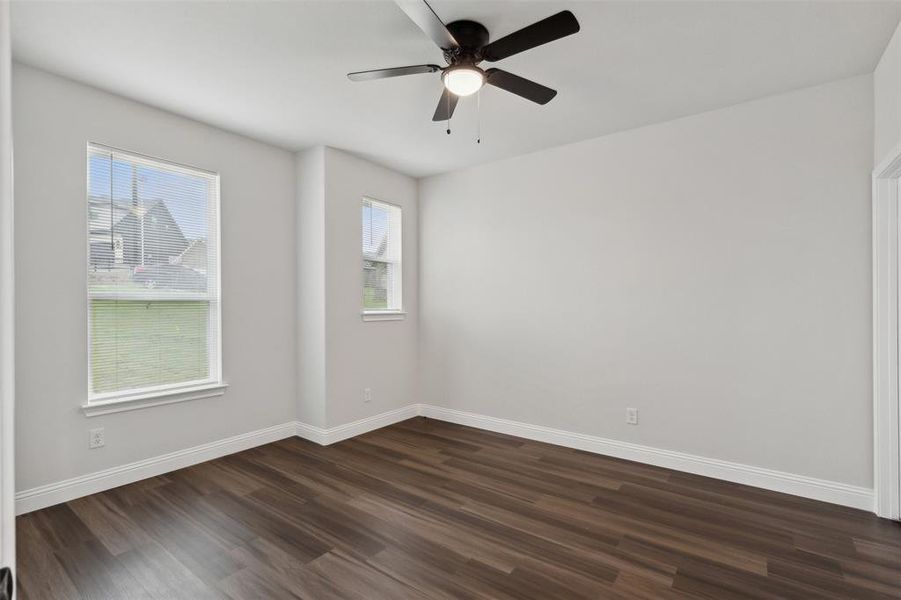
7 299
886 423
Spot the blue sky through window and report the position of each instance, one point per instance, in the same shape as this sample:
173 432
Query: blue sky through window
375 228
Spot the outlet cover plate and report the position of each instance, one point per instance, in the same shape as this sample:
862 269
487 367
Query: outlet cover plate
95 438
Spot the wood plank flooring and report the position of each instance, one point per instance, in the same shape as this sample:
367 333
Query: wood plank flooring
425 509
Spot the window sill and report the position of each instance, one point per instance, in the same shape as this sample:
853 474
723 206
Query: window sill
146 400
384 315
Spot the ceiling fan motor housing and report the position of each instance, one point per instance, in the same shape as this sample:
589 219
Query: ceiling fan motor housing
472 37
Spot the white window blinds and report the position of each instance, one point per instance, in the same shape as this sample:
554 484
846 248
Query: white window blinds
153 274
382 270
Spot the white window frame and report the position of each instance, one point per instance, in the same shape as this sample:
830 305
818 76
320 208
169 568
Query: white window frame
396 289
211 386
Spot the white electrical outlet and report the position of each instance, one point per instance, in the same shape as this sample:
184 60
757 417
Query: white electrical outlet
367 395
95 439
631 416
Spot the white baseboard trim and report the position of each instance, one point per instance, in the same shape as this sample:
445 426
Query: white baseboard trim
76 487
324 437
778 481
768 479
312 433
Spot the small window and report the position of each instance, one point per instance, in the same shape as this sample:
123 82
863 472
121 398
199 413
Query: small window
153 275
382 288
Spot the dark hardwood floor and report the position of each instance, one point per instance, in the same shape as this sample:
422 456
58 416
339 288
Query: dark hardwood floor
426 509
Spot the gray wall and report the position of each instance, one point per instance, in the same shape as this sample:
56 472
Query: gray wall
311 340
340 354
713 272
53 120
383 355
887 99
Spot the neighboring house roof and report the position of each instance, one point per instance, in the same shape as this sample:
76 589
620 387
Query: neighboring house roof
380 252
146 243
100 208
194 257
149 233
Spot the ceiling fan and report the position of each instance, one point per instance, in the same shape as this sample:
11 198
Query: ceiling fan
465 44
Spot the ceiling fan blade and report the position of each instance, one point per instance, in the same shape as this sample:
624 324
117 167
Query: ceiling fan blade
446 105
393 72
520 86
547 30
422 14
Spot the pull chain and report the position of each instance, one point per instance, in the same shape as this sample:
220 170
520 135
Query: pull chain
447 95
479 117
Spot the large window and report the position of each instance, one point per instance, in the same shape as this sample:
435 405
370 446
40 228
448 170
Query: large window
153 276
382 287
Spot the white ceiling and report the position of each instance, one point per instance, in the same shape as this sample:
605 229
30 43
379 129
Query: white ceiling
275 71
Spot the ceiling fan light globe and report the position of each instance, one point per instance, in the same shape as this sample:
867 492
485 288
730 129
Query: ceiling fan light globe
463 81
